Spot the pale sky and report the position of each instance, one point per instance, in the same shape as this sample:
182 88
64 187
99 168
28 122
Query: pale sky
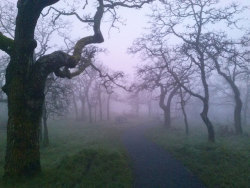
117 42
136 22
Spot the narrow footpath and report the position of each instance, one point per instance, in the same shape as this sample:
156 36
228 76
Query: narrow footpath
153 167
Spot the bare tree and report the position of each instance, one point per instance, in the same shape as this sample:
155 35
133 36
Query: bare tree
155 77
194 18
57 102
26 77
230 63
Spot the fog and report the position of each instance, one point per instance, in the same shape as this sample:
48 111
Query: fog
138 93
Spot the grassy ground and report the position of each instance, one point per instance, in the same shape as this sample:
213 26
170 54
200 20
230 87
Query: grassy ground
225 164
78 156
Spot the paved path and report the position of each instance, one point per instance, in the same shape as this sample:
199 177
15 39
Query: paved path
153 166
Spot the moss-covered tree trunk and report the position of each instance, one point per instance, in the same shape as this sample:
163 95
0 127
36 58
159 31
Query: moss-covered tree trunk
25 84
25 97
25 110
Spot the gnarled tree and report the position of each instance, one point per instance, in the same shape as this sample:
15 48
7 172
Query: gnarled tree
26 77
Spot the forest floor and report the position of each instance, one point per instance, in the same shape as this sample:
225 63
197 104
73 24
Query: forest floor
78 156
224 164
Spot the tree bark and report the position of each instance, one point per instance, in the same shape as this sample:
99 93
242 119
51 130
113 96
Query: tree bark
25 103
25 98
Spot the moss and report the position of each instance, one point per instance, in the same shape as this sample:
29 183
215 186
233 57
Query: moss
6 44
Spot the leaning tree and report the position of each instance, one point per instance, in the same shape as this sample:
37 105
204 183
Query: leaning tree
230 58
26 77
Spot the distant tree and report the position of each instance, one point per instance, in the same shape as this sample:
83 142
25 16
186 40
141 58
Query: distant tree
108 81
194 18
57 102
230 62
246 111
155 77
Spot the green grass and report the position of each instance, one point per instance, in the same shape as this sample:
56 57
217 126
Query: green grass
78 156
224 164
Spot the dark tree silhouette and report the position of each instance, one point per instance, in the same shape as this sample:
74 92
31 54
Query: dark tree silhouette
26 77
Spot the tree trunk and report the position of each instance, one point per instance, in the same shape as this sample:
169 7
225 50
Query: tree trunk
185 120
100 104
246 104
237 113
82 108
168 107
75 105
108 107
204 113
238 102
25 97
209 125
45 128
25 103
89 108
183 104
163 106
25 84
41 130
166 119
95 112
